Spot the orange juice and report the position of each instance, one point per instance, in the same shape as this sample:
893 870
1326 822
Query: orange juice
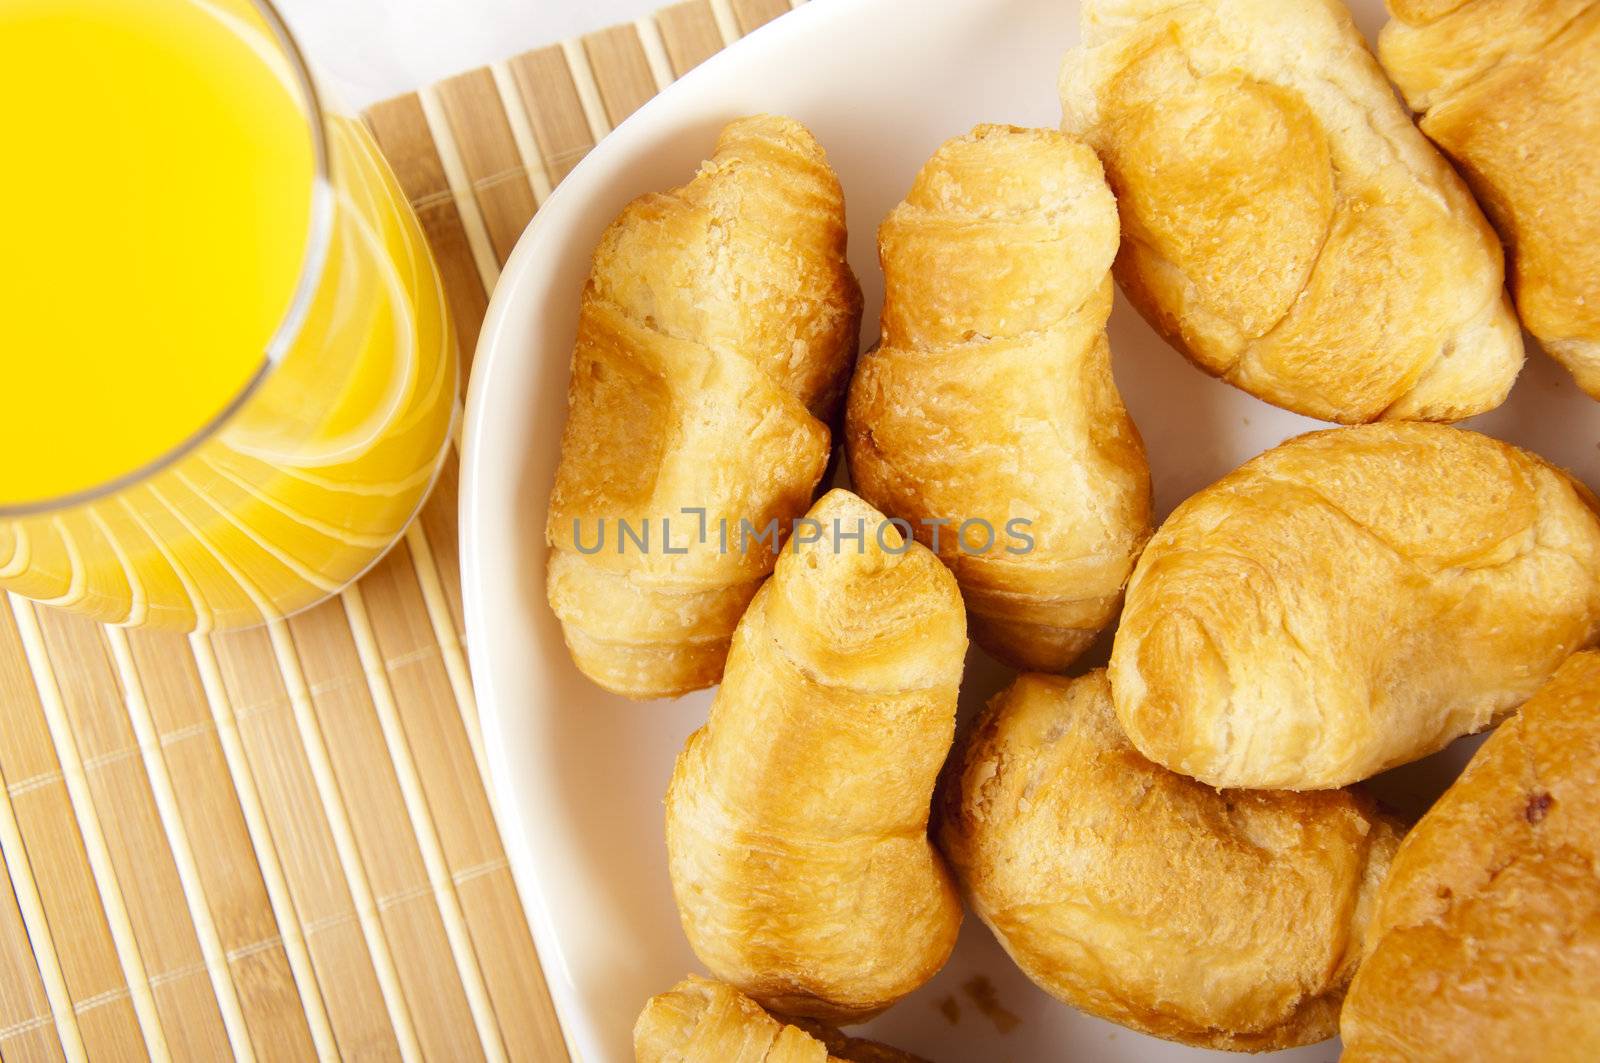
228 377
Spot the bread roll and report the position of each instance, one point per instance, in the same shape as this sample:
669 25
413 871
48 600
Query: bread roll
1223 920
991 398
797 816
1486 940
1283 222
1352 600
1510 89
701 1021
715 337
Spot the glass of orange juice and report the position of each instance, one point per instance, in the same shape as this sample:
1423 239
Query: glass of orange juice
227 375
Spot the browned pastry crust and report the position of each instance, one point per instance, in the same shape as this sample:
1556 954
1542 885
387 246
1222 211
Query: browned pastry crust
1283 222
797 816
702 1021
1510 89
1486 939
715 338
991 397
1352 600
1225 920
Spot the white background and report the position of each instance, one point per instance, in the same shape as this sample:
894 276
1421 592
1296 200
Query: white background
368 50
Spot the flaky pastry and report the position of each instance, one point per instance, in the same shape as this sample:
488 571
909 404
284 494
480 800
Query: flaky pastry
990 400
797 816
1225 920
714 341
1486 939
1510 89
1284 224
1352 600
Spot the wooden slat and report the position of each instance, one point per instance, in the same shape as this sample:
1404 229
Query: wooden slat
142 868
436 733
164 793
655 52
162 930
689 31
169 680
422 822
291 933
555 111
33 1043
27 1021
484 259
438 580
401 130
494 140
60 867
499 182
402 133
366 793
304 845
621 70
27 1026
433 538
88 682
753 14
227 864
522 135
56 700
460 807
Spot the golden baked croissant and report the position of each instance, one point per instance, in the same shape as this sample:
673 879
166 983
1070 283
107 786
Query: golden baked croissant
1284 224
1351 600
1510 89
1486 939
797 816
715 337
701 1021
991 399
1224 920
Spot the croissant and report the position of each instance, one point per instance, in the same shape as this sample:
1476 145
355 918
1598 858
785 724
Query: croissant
797 816
1352 600
715 337
701 1021
1509 89
1284 224
990 400
1486 937
1222 920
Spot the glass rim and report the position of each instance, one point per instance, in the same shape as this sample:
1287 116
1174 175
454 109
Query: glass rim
312 267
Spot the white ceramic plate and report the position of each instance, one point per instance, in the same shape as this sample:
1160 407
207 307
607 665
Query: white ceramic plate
578 776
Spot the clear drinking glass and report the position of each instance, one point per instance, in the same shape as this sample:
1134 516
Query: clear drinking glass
297 480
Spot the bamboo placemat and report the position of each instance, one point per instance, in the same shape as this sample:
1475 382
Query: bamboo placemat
277 844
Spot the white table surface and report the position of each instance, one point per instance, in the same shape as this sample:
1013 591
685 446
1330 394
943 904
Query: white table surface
368 50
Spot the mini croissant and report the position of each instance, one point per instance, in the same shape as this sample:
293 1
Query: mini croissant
1352 600
1510 89
1284 224
1485 940
716 333
702 1021
991 400
1227 920
797 816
